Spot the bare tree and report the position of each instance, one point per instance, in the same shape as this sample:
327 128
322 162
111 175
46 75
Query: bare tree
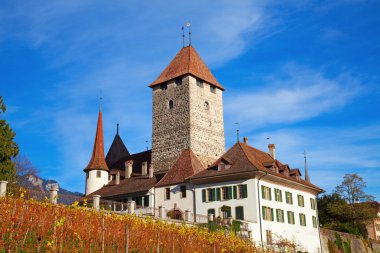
352 189
24 166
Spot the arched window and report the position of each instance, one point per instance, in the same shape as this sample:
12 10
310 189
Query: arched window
206 105
239 210
171 104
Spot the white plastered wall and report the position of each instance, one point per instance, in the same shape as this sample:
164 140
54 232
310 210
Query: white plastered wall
94 183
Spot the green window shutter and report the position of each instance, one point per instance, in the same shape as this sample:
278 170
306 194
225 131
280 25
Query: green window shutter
277 218
245 191
300 219
263 191
235 191
264 213
203 195
270 193
229 193
272 214
288 214
291 198
213 194
217 193
280 195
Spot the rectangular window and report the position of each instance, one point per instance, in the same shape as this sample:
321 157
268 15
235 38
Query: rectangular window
164 86
267 213
312 203
178 81
241 191
146 200
239 213
199 83
211 211
87 175
302 219
289 198
269 236
291 217
266 192
377 227
167 193
98 173
212 88
278 195
301 201
314 221
280 215
183 191
226 193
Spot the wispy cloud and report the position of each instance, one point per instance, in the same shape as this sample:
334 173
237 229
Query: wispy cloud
291 95
332 152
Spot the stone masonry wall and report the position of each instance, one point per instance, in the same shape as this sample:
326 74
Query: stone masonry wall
171 127
206 122
189 124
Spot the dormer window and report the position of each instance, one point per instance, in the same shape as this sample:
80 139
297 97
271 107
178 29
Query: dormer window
178 81
199 83
164 86
212 88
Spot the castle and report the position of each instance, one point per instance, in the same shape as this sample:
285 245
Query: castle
189 173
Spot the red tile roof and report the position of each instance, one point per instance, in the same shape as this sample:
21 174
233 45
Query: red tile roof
245 158
97 159
186 165
187 61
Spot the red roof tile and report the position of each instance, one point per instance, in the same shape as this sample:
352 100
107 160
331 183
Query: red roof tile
97 159
186 165
245 158
187 61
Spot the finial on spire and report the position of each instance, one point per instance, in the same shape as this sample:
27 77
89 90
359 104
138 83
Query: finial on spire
100 100
237 131
307 178
188 26
117 128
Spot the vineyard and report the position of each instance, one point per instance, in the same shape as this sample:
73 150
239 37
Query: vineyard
32 226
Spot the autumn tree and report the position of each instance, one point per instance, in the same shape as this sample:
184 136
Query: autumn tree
8 148
349 208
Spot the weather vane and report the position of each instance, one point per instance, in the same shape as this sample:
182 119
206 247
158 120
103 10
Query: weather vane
188 26
100 99
183 36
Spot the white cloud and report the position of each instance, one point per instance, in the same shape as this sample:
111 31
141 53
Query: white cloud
332 152
302 94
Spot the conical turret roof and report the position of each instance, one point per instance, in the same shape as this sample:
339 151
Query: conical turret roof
97 161
116 151
187 61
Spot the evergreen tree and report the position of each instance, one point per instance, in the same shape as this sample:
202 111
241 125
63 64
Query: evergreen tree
8 148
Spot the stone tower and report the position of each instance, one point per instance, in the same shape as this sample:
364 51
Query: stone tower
187 112
97 170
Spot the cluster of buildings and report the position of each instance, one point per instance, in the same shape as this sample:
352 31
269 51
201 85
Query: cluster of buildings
188 172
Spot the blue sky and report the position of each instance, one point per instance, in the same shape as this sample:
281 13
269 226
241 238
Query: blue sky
304 73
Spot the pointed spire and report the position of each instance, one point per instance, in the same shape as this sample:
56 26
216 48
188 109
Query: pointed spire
117 129
117 149
97 159
307 178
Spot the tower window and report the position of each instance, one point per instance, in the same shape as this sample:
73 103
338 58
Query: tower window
206 106
171 104
98 173
178 80
164 86
199 83
212 88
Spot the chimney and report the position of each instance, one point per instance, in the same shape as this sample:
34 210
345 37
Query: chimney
245 140
272 150
144 169
150 171
117 180
128 168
